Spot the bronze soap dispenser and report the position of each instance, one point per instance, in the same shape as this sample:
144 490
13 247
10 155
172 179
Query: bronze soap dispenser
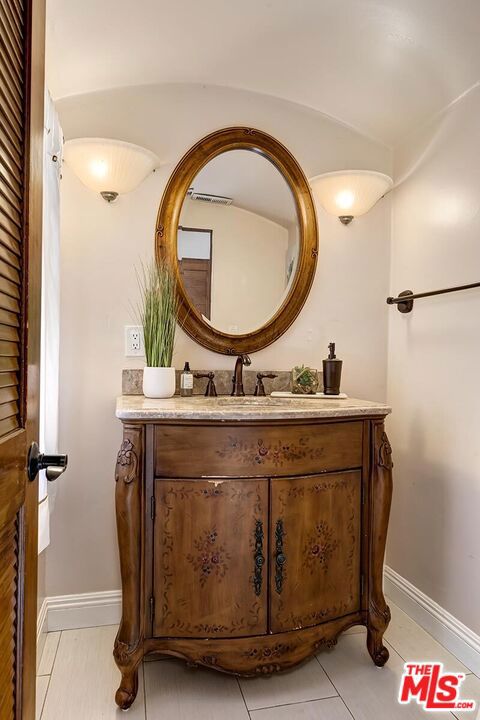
332 372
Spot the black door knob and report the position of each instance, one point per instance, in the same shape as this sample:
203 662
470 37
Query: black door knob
54 465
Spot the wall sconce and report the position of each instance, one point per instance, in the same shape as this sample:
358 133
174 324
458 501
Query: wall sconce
109 167
350 193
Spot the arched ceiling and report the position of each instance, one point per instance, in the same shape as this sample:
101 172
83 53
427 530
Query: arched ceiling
380 66
253 184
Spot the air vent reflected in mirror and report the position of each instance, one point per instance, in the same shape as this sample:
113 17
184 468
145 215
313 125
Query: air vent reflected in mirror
214 199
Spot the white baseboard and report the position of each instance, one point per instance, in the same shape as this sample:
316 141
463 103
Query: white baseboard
42 620
41 630
444 627
67 612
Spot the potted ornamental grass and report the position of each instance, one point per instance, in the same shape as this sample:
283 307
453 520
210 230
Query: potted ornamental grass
157 313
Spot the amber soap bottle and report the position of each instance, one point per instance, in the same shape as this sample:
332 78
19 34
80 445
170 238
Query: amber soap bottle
332 372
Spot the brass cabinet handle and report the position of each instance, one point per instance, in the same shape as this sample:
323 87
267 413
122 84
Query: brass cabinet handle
259 558
280 557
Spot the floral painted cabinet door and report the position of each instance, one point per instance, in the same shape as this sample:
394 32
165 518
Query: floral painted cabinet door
315 548
210 550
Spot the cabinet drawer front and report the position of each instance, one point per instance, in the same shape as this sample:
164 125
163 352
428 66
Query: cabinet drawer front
255 451
315 549
210 558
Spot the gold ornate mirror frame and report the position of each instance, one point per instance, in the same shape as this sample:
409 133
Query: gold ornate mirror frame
239 138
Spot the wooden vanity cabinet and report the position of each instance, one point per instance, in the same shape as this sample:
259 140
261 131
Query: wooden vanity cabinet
210 535
316 524
248 546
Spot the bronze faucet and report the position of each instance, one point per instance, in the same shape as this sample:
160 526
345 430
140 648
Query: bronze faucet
237 380
260 387
210 390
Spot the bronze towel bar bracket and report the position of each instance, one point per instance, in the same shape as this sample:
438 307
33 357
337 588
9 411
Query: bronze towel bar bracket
404 301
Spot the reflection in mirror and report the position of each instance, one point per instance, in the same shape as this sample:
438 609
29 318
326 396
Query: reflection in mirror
238 241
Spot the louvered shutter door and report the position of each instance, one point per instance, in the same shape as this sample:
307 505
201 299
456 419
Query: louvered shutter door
12 178
12 249
8 620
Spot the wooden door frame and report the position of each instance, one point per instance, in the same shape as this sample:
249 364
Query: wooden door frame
34 134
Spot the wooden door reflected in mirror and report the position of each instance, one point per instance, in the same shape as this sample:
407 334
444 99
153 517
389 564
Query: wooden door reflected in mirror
195 264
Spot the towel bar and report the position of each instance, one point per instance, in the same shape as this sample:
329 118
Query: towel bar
404 301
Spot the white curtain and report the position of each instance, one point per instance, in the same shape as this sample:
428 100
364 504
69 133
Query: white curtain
50 337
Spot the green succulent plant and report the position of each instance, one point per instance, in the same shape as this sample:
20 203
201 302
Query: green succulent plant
304 380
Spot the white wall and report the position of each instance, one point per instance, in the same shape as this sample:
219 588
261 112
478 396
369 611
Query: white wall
433 372
248 264
102 243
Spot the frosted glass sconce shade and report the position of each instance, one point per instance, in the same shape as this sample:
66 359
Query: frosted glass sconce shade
348 194
109 167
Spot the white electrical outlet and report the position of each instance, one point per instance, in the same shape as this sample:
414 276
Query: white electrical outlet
134 346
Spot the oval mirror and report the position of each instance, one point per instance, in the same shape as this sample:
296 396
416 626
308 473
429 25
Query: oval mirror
238 224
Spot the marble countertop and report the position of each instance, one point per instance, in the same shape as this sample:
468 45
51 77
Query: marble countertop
138 407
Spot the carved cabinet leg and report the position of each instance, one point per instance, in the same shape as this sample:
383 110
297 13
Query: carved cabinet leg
127 692
128 651
378 612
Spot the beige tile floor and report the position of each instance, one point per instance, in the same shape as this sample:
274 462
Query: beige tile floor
77 679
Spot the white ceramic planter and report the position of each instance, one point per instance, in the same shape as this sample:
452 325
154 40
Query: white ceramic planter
159 382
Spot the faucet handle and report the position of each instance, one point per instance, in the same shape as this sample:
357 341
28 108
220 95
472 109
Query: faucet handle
210 390
259 387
